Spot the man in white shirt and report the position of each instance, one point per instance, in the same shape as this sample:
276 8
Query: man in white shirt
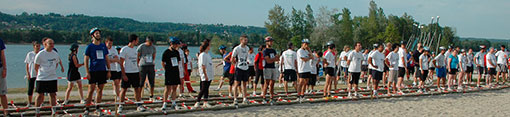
354 60
130 72
31 76
502 67
304 57
46 82
114 59
424 69
342 61
289 62
329 68
480 63
370 77
491 66
239 58
469 65
376 64
402 64
392 63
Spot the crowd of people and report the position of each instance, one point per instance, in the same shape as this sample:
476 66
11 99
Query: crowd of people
133 65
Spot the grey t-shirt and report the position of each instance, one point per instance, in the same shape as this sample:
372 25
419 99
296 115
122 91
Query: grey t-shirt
146 54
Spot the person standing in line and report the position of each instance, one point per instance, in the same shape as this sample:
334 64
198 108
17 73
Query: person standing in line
343 66
73 75
130 72
423 63
439 64
370 68
46 82
462 68
3 82
392 63
96 66
388 49
170 62
376 63
364 69
354 59
470 62
31 76
502 66
145 59
226 68
304 57
402 65
416 56
251 66
270 71
114 59
432 69
239 57
480 63
315 66
188 65
259 69
452 66
289 65
206 73
329 61
491 66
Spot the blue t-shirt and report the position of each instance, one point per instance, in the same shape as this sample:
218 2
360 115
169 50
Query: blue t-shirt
97 54
2 47
227 64
454 63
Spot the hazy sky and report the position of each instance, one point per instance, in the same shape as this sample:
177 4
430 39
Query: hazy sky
471 18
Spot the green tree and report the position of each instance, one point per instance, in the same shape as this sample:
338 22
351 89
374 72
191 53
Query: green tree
391 34
277 26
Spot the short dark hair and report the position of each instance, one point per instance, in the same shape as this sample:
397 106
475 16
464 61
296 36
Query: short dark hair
133 37
204 45
35 43
109 38
44 39
244 36
503 46
395 46
261 47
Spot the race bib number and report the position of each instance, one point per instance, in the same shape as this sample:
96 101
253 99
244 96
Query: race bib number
174 61
271 55
99 54
148 59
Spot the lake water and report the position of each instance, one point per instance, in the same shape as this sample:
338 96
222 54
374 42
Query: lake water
15 56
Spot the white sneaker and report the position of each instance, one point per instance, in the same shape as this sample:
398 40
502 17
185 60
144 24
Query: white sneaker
420 91
119 109
140 108
240 95
206 105
280 85
229 94
164 106
414 83
197 104
349 95
180 95
83 101
254 93
65 102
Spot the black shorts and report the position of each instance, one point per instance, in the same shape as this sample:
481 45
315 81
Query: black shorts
98 77
226 74
329 71
354 78
171 78
133 81
306 75
289 75
251 69
492 71
73 76
312 80
423 76
46 86
432 69
31 86
469 70
410 70
115 75
377 75
401 72
364 68
481 70
241 75
452 71
386 68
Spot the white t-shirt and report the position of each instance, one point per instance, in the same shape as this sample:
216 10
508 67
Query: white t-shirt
289 57
365 59
114 66
129 55
447 54
204 59
30 60
251 59
314 62
47 62
303 66
355 58
330 58
242 55
393 60
491 58
480 58
378 60
343 62
181 66
425 60
502 57
402 54
469 59
440 60
464 60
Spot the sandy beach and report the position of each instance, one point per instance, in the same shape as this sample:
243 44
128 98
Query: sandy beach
487 103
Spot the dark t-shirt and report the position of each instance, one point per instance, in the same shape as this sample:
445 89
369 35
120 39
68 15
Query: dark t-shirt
416 57
2 47
271 53
171 59
97 54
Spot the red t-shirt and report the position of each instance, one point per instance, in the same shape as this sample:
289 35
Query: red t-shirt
232 66
258 60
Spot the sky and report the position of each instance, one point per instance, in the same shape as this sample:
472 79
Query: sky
470 18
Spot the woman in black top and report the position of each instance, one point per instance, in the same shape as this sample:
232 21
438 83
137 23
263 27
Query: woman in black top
73 75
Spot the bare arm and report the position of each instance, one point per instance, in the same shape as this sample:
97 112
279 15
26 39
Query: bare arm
205 73
370 62
86 63
75 61
36 68
27 68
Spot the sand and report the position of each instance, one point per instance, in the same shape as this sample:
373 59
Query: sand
486 103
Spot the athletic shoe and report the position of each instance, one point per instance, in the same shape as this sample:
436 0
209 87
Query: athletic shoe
99 112
229 94
245 101
119 109
65 102
217 89
197 104
174 106
206 105
414 83
349 95
29 105
163 107
140 108
86 113
254 93
83 101
420 91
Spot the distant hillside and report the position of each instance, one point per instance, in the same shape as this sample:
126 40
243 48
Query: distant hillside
479 39
78 22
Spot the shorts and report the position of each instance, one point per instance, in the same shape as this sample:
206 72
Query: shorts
481 70
431 69
289 75
259 76
401 72
115 75
364 68
147 72
386 68
98 77
171 78
423 76
73 76
251 71
306 75
452 71
393 76
330 71
271 74
410 70
377 75
418 71
241 75
312 80
133 81
46 86
502 68
441 72
492 71
31 86
469 70
3 84
226 74
354 78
